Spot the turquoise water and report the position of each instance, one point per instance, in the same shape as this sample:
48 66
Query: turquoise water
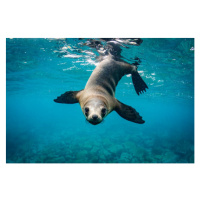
38 130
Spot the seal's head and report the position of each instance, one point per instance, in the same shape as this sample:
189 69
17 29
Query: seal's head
95 110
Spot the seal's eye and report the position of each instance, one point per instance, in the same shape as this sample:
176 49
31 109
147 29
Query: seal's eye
86 111
103 112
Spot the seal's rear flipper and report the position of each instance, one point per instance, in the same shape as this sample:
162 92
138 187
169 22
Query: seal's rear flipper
128 113
68 97
139 84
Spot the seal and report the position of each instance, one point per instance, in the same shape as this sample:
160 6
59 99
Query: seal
97 100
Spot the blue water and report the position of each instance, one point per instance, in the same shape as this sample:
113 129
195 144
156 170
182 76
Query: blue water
38 130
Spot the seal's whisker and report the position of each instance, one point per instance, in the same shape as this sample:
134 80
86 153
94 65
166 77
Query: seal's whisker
102 121
86 121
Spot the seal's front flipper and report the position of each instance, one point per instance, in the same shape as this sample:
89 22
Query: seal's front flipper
68 97
128 113
139 84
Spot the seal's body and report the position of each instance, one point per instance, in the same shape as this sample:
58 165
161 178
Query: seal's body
98 98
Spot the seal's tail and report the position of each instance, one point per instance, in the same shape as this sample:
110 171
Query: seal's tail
139 84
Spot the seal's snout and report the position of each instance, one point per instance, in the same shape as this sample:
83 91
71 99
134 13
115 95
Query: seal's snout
94 117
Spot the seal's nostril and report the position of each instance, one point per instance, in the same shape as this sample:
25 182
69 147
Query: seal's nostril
95 117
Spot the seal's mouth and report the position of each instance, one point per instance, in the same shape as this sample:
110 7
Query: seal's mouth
94 122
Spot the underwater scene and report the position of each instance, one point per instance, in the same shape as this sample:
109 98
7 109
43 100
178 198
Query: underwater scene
40 130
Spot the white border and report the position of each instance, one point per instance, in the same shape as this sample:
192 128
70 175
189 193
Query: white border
107 19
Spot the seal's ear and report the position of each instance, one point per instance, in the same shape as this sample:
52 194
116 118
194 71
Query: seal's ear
128 113
68 97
